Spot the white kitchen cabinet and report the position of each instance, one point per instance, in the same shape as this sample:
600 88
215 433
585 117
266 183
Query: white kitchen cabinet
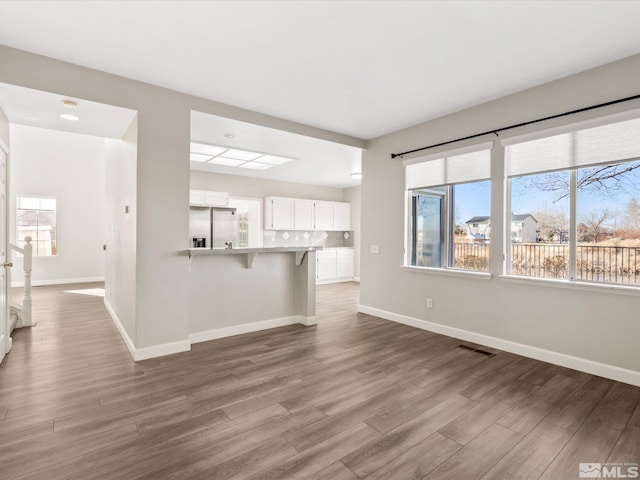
345 263
326 265
216 199
335 265
205 198
303 214
278 213
323 215
342 216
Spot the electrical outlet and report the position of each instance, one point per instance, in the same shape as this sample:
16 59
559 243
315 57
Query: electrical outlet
429 302
375 249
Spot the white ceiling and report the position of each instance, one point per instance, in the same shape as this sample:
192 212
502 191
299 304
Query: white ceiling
362 68
34 108
318 162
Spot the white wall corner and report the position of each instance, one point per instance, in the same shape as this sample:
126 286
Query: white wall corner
619 374
307 321
123 333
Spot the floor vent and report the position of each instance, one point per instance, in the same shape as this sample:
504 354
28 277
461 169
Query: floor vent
477 350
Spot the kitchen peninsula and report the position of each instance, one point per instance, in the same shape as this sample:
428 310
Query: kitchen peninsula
241 290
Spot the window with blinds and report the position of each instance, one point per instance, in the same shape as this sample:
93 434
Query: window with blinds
579 191
449 206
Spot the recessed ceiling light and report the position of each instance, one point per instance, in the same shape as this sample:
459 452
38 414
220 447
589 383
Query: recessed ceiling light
206 149
229 135
242 155
70 104
274 159
230 162
68 116
256 165
199 157
356 174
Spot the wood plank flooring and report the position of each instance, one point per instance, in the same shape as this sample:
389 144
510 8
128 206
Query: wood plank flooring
356 397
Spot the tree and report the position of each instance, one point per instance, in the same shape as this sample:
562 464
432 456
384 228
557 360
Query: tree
631 215
603 180
552 223
592 227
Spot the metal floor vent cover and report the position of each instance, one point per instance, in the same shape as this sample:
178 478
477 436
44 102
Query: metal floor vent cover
477 350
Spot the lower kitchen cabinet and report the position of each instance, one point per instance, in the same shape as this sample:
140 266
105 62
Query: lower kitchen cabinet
335 265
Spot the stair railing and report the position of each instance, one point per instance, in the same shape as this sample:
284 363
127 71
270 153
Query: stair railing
27 252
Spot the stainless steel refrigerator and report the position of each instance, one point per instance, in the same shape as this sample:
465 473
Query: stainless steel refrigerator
200 227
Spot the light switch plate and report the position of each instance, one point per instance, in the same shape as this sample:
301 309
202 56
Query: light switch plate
375 249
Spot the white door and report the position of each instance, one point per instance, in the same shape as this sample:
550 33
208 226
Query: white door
5 340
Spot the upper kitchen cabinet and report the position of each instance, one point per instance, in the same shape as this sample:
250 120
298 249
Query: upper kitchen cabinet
323 212
279 213
303 214
342 216
205 198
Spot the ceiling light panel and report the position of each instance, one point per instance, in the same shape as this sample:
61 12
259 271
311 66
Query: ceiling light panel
210 150
242 155
256 165
199 157
274 159
230 162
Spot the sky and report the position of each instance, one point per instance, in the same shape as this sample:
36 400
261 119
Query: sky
473 199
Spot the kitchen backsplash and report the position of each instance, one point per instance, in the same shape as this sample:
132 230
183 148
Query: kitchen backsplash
295 238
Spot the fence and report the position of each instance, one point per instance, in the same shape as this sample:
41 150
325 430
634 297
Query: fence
593 263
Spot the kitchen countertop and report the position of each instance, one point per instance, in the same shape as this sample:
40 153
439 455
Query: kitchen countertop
197 252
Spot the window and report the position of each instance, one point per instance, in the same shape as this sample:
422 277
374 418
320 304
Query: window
580 191
36 218
449 202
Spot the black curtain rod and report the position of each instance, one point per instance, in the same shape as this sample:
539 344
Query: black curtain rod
497 130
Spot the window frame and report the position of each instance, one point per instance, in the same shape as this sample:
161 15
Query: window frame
35 241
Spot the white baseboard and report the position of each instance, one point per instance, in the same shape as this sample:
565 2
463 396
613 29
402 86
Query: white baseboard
223 332
61 281
631 377
337 280
356 279
123 333
162 350
147 352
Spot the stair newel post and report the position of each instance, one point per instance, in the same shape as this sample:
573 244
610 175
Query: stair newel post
27 265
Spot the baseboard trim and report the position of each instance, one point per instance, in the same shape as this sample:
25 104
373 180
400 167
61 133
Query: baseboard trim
337 280
620 374
356 279
123 333
161 350
224 332
61 281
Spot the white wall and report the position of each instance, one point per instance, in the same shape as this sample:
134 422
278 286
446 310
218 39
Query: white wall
240 186
592 326
162 270
353 196
70 167
120 269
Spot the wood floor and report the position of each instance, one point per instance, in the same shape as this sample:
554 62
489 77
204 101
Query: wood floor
354 397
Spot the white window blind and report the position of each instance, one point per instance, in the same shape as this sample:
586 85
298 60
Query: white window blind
467 167
616 142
